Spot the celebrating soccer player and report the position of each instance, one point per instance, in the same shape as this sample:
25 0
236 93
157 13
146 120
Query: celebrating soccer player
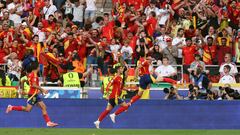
35 90
114 98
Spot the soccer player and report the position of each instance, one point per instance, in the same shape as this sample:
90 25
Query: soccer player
34 93
114 98
145 79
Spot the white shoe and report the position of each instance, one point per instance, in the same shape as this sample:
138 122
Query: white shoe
51 124
9 109
113 116
101 10
97 123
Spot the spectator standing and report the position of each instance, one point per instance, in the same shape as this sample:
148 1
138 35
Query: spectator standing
141 49
179 41
16 10
127 52
156 53
48 9
171 52
209 52
90 10
222 50
14 66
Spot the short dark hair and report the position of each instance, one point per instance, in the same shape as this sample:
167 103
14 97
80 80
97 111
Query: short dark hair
209 37
180 29
99 19
153 13
228 67
70 16
106 14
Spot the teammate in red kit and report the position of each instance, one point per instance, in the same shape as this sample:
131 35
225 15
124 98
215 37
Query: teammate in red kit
145 79
114 98
34 93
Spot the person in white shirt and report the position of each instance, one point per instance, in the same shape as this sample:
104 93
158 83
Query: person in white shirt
166 70
77 9
127 52
150 8
114 47
90 10
227 59
16 10
179 41
48 9
161 40
14 66
227 78
164 14
38 31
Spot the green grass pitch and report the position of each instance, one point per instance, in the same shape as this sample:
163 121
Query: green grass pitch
56 131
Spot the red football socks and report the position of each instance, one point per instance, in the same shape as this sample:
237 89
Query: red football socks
135 98
169 80
121 109
46 118
103 115
17 108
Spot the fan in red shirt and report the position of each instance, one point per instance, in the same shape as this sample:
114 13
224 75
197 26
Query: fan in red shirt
114 98
108 29
209 52
151 23
3 53
17 48
190 33
70 44
49 23
188 52
34 97
39 4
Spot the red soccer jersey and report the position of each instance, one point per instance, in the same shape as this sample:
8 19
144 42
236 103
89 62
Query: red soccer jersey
116 87
188 54
33 78
107 30
145 67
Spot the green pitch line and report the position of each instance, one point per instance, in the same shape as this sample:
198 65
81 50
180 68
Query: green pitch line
55 131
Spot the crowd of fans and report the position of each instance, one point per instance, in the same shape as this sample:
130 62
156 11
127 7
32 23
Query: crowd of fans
192 33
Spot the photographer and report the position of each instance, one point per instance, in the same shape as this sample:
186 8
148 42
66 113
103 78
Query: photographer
202 81
172 94
193 92
228 93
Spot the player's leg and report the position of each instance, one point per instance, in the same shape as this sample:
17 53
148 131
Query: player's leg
27 108
137 96
43 107
123 107
104 114
164 79
143 84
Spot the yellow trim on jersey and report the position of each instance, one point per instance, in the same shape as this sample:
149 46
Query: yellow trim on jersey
141 89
